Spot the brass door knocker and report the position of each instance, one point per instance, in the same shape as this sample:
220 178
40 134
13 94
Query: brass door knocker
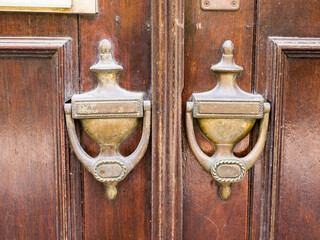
225 115
108 114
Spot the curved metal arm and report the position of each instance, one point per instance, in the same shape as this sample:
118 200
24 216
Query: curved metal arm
226 114
83 157
132 160
203 159
255 153
128 163
211 164
248 160
108 114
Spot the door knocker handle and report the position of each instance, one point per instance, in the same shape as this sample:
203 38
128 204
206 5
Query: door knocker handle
108 114
225 115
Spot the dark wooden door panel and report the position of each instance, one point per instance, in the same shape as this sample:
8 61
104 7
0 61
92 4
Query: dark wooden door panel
298 161
205 32
294 66
127 24
46 25
291 21
34 179
166 48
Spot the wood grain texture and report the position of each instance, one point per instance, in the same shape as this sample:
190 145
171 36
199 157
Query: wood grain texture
127 24
205 33
292 203
35 182
291 21
54 25
167 85
45 194
44 25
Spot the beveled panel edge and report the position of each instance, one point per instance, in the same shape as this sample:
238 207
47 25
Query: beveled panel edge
279 48
34 46
293 43
47 47
44 47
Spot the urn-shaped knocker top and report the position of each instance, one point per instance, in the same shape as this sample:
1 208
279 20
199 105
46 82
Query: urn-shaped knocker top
225 115
108 114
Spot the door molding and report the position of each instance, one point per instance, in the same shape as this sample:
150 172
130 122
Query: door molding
167 85
59 50
280 49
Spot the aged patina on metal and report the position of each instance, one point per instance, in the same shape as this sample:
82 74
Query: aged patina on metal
109 114
225 115
220 5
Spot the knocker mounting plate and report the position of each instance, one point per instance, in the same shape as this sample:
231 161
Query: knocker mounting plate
104 108
220 5
228 108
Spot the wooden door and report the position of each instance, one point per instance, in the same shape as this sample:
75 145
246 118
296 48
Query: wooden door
45 59
166 48
277 43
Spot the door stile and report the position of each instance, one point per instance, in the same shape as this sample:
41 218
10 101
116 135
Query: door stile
167 85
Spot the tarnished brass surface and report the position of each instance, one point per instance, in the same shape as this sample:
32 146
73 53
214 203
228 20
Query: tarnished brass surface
225 115
109 114
229 108
225 131
228 171
94 108
220 5
112 131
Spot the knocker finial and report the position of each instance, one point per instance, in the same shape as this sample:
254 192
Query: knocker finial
108 114
228 47
225 115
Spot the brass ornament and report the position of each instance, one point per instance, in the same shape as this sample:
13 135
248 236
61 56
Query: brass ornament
108 114
225 115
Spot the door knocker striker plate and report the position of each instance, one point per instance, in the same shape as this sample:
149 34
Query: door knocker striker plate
230 5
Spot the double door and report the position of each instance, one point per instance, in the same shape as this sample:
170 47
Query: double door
166 49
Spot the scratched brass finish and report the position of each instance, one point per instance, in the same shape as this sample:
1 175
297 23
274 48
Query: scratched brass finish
109 114
225 131
225 115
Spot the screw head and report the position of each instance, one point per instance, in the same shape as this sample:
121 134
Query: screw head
206 3
234 4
